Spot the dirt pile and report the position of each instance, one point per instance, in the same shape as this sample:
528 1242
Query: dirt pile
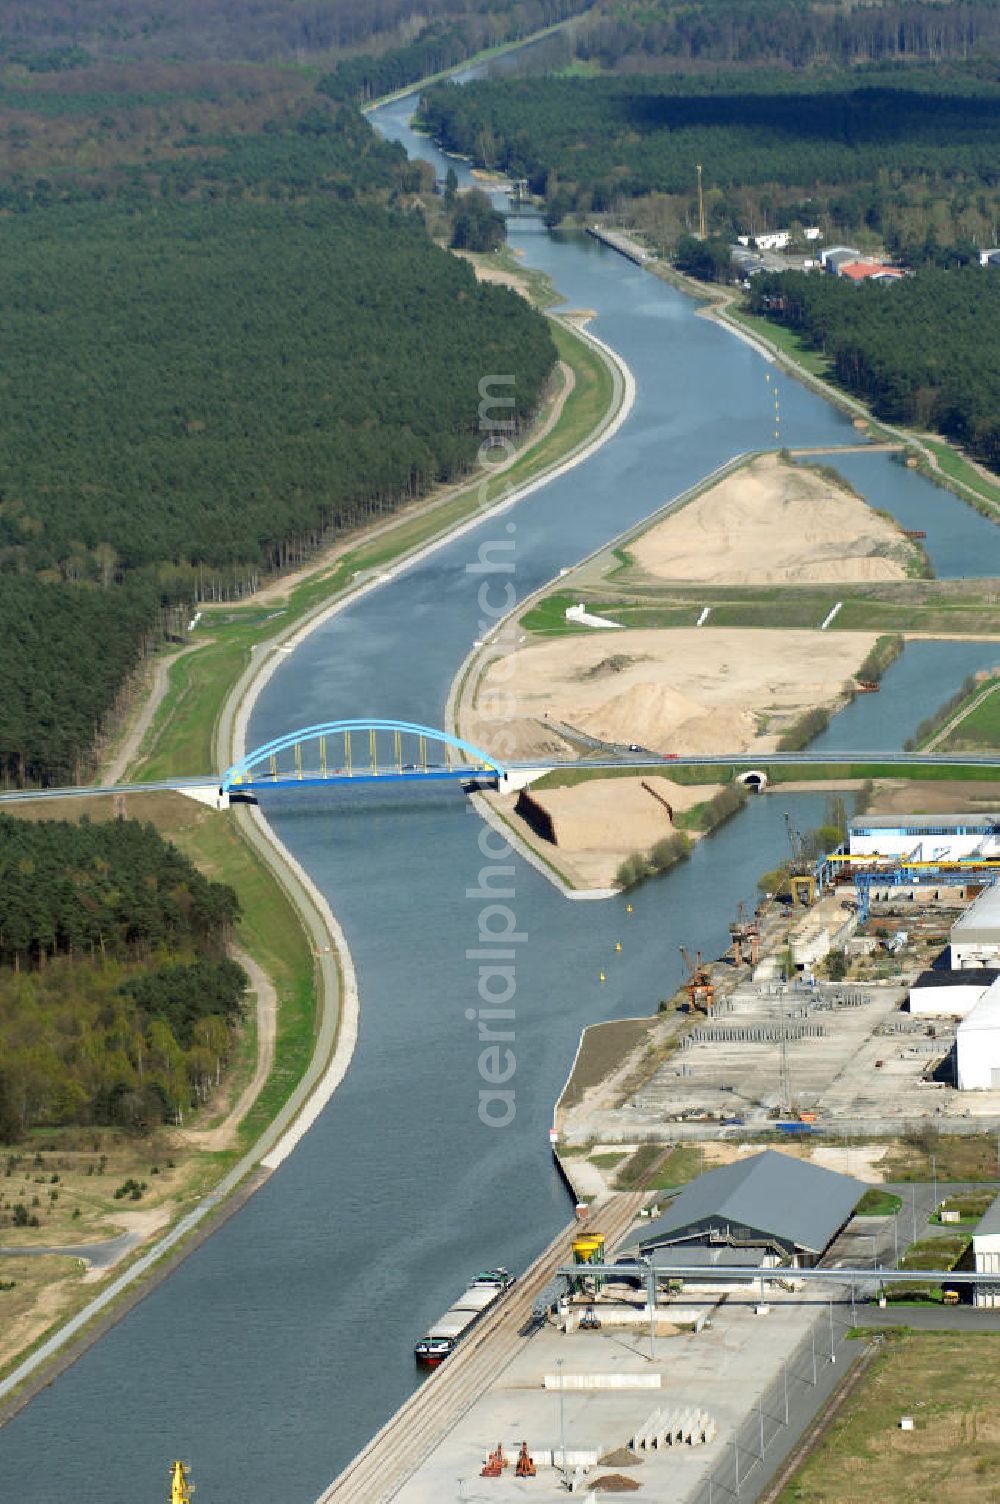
772 522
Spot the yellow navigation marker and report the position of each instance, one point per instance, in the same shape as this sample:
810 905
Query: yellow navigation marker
602 976
628 908
618 945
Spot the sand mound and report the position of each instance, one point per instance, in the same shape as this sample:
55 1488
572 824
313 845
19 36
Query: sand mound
697 691
772 522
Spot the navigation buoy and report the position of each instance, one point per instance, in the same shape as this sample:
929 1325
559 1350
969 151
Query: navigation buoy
628 908
618 945
602 976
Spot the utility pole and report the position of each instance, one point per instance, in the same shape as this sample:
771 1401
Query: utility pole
562 1421
833 1355
701 206
651 1297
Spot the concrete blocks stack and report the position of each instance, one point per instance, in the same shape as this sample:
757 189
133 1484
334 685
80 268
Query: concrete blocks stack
674 1427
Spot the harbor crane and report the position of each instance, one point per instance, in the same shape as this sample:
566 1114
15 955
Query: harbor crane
699 986
801 877
745 934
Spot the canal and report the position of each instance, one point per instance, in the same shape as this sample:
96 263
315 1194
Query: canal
272 1354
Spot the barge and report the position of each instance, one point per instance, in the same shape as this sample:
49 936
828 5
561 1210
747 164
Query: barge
444 1336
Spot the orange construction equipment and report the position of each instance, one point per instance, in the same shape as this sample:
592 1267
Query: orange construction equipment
699 986
496 1463
525 1464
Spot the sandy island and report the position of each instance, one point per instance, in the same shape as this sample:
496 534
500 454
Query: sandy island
688 690
773 522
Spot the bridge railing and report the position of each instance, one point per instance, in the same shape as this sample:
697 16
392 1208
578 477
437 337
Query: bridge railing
342 751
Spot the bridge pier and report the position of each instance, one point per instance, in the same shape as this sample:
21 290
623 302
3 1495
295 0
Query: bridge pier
208 793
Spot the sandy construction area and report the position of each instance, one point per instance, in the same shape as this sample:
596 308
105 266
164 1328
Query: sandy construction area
598 824
694 691
772 522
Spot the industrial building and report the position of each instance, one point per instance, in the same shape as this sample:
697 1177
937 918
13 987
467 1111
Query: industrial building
950 994
836 256
977 1044
975 937
926 838
986 1247
771 1208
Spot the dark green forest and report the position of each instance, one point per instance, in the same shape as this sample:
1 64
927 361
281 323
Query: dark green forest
923 352
585 142
636 35
215 362
61 33
441 45
117 1001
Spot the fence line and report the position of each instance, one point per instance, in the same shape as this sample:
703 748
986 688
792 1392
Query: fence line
790 1402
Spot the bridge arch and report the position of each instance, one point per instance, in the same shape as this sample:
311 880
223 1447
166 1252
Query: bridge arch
263 767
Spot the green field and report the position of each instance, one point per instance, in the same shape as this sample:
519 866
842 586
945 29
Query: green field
946 1381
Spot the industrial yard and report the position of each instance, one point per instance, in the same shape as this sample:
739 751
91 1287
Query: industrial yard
679 1341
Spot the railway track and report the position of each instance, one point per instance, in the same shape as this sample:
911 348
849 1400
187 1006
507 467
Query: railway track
380 1470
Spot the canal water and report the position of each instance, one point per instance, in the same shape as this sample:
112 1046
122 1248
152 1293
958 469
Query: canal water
272 1354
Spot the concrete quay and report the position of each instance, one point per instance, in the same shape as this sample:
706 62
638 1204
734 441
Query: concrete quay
404 1443
735 1370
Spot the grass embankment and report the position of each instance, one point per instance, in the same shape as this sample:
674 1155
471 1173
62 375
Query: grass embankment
92 1163
933 608
878 1203
602 1048
972 695
977 725
953 1157
946 1381
985 494
180 740
970 1206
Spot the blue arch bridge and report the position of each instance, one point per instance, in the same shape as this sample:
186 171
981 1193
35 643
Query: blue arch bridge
361 751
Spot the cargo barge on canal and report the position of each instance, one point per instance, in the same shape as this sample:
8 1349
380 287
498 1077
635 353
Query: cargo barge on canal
443 1337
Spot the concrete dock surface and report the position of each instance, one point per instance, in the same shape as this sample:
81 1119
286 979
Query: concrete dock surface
738 1358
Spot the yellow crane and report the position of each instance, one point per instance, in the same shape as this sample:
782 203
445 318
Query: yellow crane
701 205
180 1487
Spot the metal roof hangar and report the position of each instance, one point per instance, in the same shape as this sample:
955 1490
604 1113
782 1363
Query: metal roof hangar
769 1201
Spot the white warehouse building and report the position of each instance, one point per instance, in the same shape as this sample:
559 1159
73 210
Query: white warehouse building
975 937
986 1247
926 838
977 1044
950 994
